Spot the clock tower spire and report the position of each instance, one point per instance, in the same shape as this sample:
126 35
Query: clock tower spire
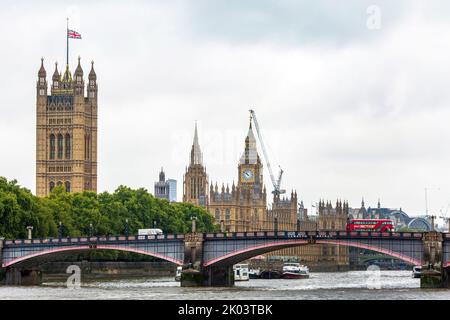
250 166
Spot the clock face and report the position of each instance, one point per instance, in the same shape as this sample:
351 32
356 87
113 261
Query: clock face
247 175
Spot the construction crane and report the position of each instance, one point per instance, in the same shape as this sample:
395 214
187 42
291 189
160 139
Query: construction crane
276 183
445 217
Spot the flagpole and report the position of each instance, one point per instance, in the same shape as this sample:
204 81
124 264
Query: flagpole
67 38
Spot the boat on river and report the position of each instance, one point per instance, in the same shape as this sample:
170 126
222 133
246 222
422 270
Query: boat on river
417 271
254 273
295 271
178 273
241 272
270 274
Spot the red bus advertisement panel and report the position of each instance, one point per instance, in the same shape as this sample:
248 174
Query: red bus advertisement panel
370 225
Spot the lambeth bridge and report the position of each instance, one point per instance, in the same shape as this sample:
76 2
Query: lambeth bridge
207 258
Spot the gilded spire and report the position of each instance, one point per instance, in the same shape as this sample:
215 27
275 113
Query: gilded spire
67 76
196 153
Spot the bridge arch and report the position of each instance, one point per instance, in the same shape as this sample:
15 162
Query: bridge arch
46 252
253 251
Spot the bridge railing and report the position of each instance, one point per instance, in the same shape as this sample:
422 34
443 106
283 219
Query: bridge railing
70 240
313 234
212 236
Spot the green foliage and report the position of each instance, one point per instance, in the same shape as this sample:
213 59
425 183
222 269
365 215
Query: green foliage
107 212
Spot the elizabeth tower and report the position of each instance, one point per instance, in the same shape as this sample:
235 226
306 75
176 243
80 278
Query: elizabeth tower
66 131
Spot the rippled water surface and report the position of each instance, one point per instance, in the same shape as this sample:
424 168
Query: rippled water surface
389 285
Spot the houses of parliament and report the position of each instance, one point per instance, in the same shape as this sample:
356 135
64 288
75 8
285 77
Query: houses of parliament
66 155
243 207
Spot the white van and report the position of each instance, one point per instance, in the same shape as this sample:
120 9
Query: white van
149 232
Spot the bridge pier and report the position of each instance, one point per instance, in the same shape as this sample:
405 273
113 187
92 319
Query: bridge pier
218 276
446 277
18 277
1 252
433 274
2 270
194 274
191 274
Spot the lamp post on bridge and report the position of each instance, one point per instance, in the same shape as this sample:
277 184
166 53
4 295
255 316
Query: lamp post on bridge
90 230
126 228
194 227
60 230
30 230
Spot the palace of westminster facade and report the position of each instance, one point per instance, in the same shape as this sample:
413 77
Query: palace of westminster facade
243 207
66 154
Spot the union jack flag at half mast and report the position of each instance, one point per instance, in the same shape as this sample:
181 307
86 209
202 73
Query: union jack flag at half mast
71 34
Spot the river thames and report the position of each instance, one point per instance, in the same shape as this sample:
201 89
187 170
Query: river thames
353 285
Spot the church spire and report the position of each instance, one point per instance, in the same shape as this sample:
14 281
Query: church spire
196 153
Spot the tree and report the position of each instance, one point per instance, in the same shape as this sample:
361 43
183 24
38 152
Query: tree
107 212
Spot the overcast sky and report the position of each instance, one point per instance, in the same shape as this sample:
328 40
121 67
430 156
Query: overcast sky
347 109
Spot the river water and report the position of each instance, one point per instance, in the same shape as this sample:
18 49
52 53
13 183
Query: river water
353 285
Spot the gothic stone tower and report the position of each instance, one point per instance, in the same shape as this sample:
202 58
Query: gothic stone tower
195 180
333 219
66 132
244 208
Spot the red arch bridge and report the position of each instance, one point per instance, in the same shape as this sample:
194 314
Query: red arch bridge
207 258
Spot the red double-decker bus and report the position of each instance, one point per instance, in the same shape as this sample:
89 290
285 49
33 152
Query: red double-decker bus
370 225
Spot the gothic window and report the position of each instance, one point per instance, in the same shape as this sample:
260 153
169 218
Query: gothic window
60 146
217 214
68 146
52 146
42 92
67 185
59 183
52 186
41 81
87 147
227 214
56 84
